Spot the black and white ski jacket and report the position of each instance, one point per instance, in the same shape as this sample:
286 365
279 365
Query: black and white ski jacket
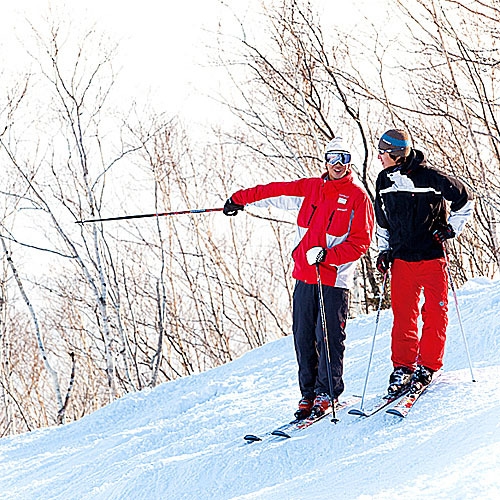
410 205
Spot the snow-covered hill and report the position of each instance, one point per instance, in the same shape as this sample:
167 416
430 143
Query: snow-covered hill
183 440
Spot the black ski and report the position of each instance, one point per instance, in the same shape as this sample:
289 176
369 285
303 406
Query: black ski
382 402
286 430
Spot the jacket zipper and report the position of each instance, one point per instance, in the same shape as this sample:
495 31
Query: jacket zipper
330 221
314 207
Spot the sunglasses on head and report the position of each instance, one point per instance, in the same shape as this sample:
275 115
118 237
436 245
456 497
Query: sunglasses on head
382 151
333 158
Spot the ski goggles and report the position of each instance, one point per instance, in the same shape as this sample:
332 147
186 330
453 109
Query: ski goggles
333 158
393 150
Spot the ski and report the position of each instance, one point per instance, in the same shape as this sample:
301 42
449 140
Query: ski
403 406
382 402
286 430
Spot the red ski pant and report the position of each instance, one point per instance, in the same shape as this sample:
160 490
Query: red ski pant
408 279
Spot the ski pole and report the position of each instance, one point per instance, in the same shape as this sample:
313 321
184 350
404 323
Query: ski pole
382 292
325 336
141 216
452 283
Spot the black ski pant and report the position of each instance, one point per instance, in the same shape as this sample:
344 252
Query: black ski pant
309 338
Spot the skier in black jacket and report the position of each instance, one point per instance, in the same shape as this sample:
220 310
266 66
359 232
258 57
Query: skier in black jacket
412 226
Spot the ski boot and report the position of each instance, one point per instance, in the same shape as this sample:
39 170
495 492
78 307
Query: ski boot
304 409
421 377
321 405
399 380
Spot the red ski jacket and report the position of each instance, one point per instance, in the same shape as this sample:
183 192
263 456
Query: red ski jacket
333 214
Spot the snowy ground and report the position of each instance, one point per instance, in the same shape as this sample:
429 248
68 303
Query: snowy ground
183 440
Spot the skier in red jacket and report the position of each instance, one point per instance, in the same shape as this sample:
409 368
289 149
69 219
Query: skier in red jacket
334 229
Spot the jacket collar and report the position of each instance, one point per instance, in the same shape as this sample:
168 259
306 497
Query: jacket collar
413 162
338 182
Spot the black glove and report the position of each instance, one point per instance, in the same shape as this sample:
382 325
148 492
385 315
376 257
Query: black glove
231 208
384 260
443 232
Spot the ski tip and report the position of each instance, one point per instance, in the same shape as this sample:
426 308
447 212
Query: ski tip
357 411
250 438
280 434
392 411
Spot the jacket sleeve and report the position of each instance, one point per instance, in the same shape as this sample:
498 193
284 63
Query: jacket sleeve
382 231
285 195
360 235
462 204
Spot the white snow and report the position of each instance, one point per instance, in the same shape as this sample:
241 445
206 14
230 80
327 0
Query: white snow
184 439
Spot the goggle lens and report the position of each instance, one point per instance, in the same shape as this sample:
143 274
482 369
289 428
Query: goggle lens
382 151
333 158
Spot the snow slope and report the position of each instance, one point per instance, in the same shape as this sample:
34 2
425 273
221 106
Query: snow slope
183 440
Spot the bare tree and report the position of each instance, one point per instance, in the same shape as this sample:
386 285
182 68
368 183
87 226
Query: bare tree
439 84
110 308
453 112
62 179
297 91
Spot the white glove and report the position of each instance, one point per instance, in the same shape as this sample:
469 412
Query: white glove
315 255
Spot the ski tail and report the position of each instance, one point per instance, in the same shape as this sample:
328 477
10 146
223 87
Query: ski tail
381 403
405 404
288 429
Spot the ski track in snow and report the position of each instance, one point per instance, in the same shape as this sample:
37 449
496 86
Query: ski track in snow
183 439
